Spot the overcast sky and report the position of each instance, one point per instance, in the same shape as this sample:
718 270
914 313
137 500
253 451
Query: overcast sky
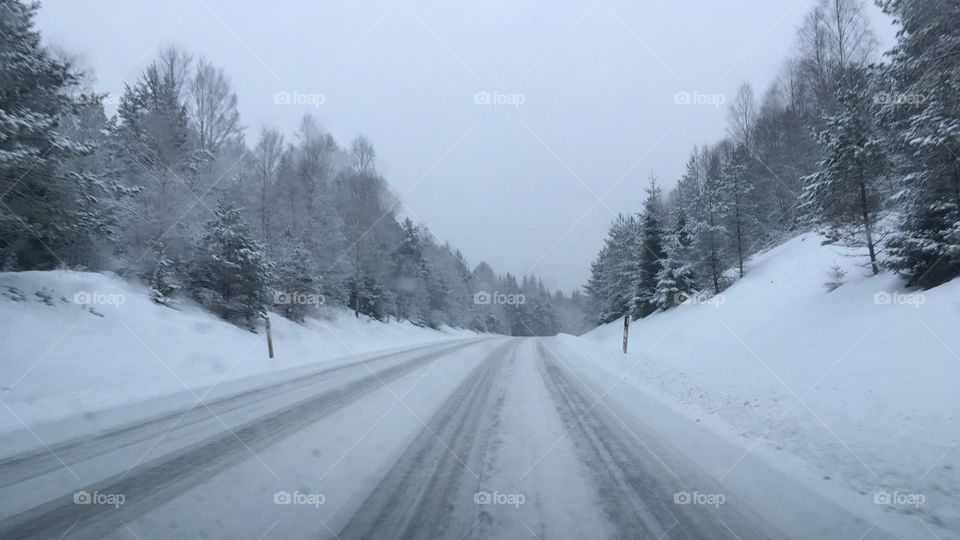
582 96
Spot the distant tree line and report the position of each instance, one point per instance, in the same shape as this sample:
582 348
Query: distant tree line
168 191
862 147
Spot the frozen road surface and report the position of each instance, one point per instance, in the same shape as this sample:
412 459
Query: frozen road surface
483 438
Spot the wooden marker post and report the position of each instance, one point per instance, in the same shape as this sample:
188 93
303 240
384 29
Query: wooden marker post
269 337
626 331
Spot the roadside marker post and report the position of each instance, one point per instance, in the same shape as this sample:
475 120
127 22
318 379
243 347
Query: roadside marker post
270 336
626 331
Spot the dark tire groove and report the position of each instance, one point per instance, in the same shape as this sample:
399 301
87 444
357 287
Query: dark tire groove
633 486
155 482
428 493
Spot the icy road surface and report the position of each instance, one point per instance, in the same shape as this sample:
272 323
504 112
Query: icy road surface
482 438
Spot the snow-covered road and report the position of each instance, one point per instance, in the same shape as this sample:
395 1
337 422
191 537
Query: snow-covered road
479 438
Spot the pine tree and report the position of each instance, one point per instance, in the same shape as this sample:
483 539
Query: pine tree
737 188
164 283
295 282
230 272
675 279
709 223
677 276
41 209
411 277
924 114
614 274
156 149
844 193
652 252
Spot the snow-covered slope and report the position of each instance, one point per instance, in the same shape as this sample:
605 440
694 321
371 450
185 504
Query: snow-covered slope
856 388
77 342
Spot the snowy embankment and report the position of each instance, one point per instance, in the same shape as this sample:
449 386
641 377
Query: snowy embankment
81 342
854 390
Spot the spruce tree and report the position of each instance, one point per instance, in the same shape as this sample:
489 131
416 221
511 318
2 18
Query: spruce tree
709 224
844 193
652 252
42 208
295 282
230 272
923 111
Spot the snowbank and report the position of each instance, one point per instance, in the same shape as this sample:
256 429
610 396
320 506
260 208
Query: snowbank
77 342
856 389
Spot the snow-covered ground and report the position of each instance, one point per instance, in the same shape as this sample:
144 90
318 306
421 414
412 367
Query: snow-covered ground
853 390
80 342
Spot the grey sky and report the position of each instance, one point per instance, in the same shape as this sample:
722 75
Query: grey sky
526 187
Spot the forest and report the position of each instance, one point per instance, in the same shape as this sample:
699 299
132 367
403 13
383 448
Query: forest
858 144
169 191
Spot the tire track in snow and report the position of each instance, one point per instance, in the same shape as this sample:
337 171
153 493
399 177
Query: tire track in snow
633 485
155 482
15 469
428 493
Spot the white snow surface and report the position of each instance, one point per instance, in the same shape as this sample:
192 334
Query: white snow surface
63 358
854 391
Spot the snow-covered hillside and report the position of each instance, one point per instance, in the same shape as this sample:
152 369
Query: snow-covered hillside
78 342
854 389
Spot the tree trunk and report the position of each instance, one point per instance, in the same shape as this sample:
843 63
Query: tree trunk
866 226
956 188
739 232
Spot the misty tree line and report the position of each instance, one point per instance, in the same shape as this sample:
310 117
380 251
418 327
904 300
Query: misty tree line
862 147
168 191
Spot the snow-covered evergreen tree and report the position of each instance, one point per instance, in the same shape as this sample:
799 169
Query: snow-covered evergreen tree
165 281
411 277
45 207
677 276
295 279
230 272
708 223
844 193
651 250
924 112
737 187
615 273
